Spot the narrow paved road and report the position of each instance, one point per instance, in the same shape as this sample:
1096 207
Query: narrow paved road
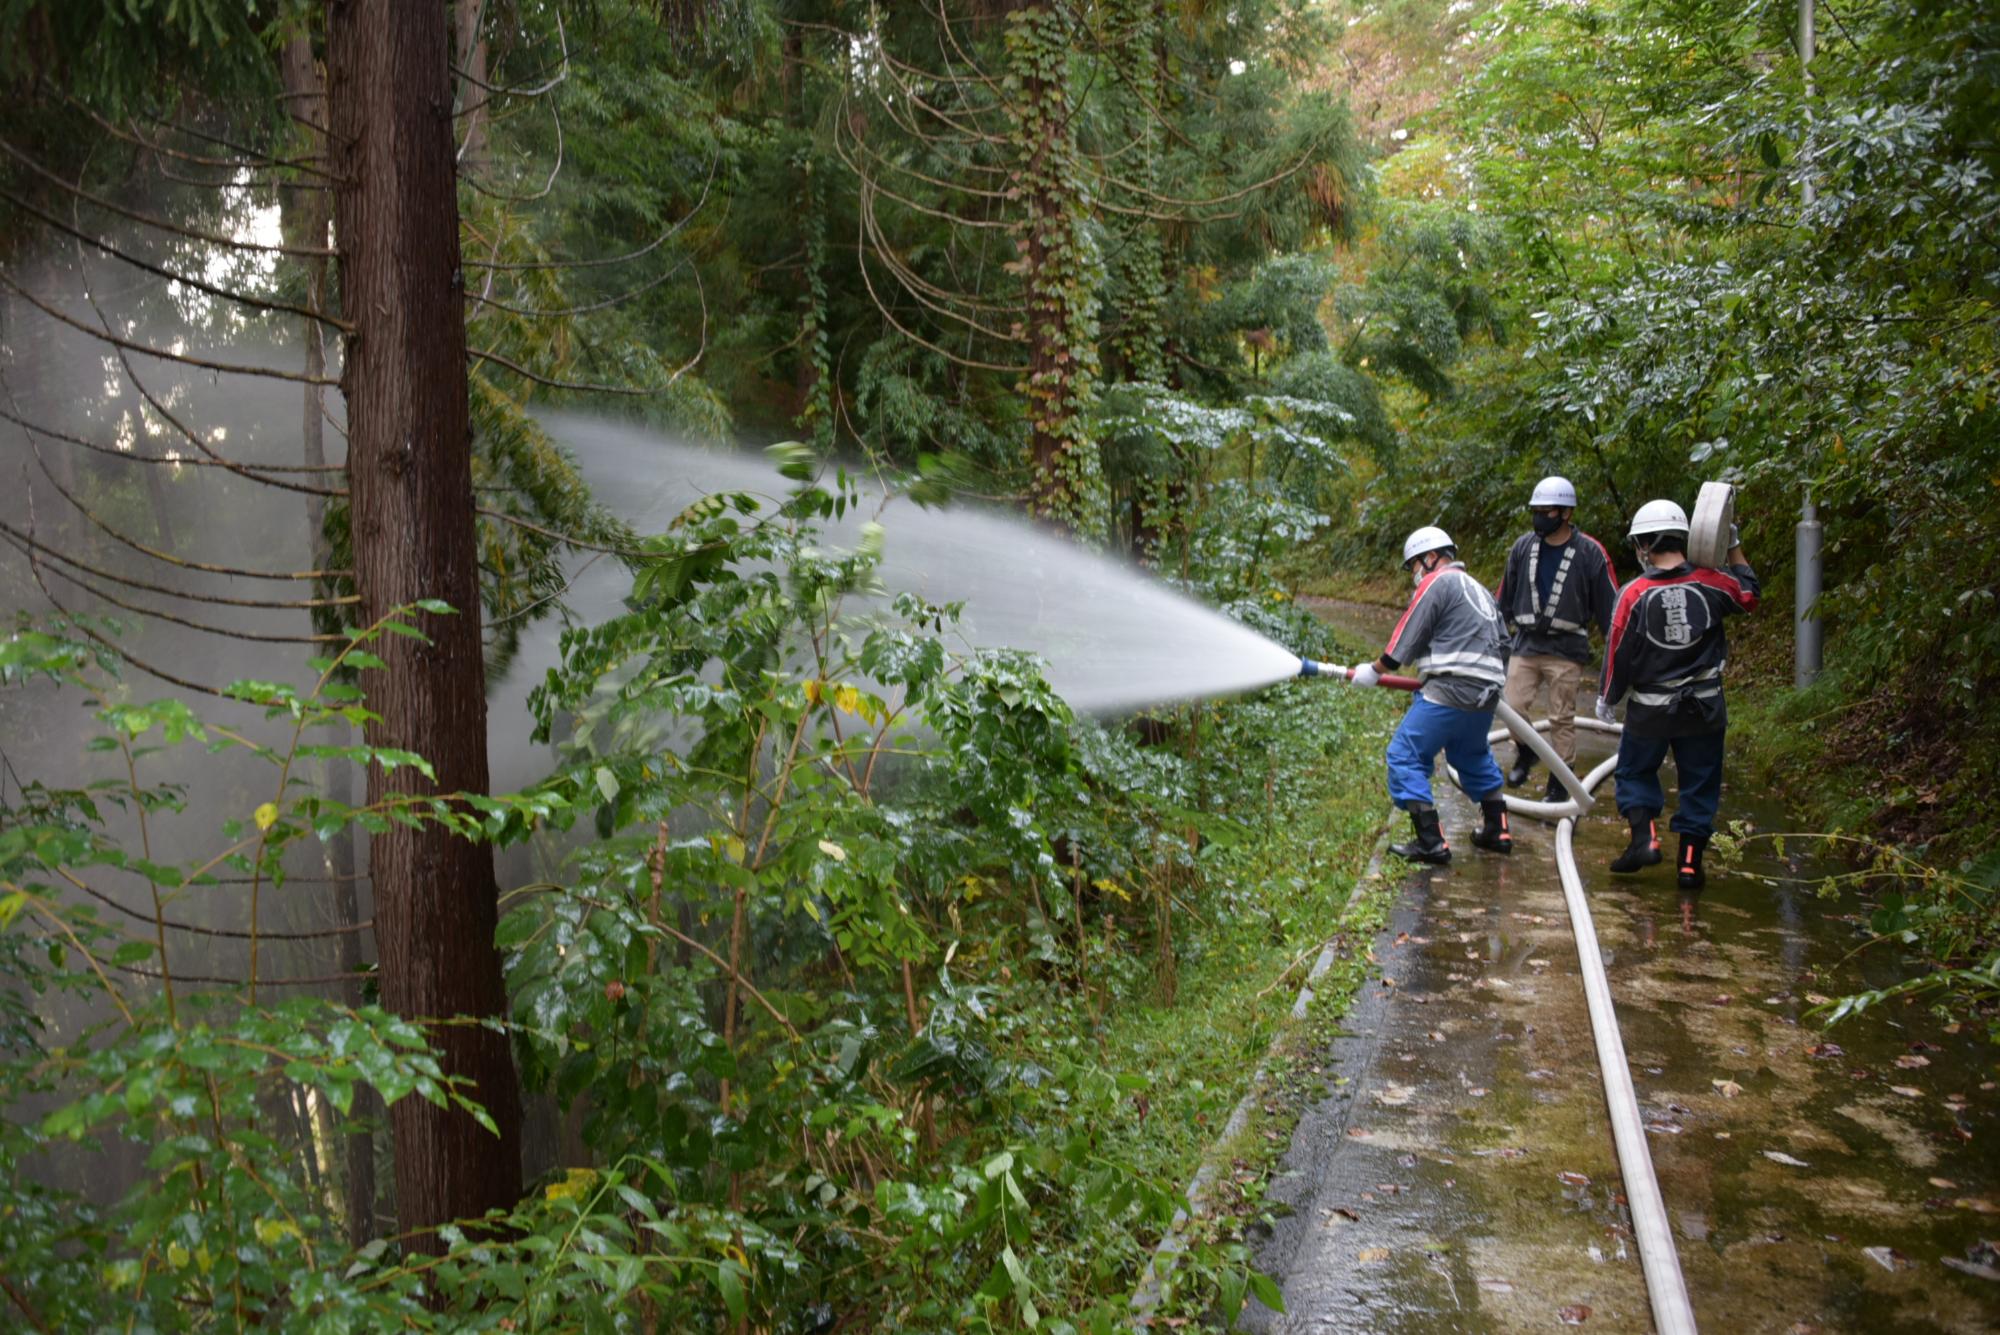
1459 1175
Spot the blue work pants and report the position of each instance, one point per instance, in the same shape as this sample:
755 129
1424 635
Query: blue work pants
1699 762
1429 728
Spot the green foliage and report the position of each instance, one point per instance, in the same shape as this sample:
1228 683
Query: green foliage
118 54
1681 260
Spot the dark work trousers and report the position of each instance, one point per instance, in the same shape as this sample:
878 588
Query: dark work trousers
1699 760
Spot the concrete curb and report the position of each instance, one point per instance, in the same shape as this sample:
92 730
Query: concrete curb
1147 1296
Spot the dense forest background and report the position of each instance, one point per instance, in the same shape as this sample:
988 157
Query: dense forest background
863 985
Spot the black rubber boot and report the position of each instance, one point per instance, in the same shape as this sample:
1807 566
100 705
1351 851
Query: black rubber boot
1519 774
1644 850
1493 835
1429 845
1691 876
1556 792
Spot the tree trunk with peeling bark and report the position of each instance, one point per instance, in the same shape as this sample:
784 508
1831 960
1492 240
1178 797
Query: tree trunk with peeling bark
305 216
411 507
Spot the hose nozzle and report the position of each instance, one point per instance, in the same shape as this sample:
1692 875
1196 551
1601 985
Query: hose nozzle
1312 668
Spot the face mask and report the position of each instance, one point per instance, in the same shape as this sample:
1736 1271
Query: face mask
1417 573
1546 523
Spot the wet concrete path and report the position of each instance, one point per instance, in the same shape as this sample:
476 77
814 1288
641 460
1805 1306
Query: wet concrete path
1459 1175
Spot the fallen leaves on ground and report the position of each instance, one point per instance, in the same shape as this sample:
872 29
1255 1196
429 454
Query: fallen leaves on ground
1909 1061
1490 1284
1372 1255
1573 1315
1574 1179
1826 1050
1779 1156
1729 1089
1888 1258
1907 1091
1394 1095
1977 1204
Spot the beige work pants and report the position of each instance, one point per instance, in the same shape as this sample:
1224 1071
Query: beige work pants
1526 674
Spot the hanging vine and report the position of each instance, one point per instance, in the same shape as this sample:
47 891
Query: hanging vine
816 407
1061 270
1138 266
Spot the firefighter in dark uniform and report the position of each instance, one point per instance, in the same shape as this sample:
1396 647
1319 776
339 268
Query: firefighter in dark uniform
1559 583
1665 658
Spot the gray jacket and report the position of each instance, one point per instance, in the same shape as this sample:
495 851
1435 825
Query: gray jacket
1450 636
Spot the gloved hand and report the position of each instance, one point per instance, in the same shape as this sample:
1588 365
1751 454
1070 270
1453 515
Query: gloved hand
1365 675
1604 714
1735 536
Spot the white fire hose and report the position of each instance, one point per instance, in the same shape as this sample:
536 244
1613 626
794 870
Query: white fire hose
1666 1288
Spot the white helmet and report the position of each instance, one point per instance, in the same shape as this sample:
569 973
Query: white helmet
1425 540
1658 517
1553 491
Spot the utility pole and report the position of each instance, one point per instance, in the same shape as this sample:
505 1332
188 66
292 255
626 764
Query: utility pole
1810 535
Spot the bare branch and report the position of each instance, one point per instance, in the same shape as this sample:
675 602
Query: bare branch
256 159
104 642
562 72
203 627
226 368
555 112
168 558
183 462
198 284
282 605
482 355
861 255
606 304
160 224
601 261
568 584
130 912
567 539
192 437
315 981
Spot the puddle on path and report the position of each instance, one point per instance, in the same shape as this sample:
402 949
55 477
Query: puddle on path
1460 1176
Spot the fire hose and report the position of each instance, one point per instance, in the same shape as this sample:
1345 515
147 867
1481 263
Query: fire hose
1666 1288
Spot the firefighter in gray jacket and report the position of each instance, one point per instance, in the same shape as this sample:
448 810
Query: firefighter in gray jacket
1558 584
1450 637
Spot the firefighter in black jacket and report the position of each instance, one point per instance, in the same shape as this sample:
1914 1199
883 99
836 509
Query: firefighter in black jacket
1559 583
1665 656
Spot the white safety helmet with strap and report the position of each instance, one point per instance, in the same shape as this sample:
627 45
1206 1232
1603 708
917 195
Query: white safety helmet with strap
1553 491
1424 541
1656 517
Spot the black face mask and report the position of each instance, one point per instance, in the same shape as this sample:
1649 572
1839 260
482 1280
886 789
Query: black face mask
1546 523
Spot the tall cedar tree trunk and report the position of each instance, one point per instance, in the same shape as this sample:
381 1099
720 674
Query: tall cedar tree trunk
468 30
409 475
305 215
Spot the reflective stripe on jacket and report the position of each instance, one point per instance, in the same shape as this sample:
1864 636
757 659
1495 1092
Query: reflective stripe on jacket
1667 649
1584 593
1450 636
